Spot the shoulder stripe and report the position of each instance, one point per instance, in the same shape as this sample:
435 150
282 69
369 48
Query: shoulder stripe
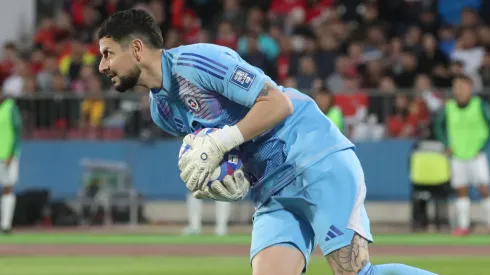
202 63
207 59
201 68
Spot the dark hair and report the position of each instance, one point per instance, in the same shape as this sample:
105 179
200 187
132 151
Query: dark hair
131 23
10 46
324 90
464 77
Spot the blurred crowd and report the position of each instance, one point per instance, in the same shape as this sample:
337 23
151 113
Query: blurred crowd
387 64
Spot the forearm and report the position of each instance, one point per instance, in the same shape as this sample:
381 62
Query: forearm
271 108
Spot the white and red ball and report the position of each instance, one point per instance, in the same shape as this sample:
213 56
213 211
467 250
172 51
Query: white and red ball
230 163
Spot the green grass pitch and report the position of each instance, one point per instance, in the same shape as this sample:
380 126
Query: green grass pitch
126 265
207 265
84 238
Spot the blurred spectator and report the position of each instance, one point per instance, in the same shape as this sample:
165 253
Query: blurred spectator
36 60
355 53
447 39
441 76
9 58
159 12
30 85
283 60
484 70
430 55
291 83
59 83
190 27
427 99
326 102
402 124
368 18
412 39
352 101
469 18
470 54
71 64
93 106
281 9
372 75
173 39
46 34
395 54
483 32
406 77
374 44
226 37
380 105
336 81
91 20
428 22
233 13
307 79
256 58
204 37
267 45
62 108
80 85
45 76
326 55
302 45
14 84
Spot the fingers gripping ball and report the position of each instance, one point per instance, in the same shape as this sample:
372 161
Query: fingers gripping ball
230 163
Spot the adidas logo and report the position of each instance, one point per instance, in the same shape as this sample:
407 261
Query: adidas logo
333 233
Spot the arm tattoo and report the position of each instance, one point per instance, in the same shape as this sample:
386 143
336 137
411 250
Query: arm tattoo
265 90
351 259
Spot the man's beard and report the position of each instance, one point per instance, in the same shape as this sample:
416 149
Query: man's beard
128 81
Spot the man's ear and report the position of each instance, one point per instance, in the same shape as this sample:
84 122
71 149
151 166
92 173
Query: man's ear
137 49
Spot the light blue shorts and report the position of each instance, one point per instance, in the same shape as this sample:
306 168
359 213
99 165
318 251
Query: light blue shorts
324 206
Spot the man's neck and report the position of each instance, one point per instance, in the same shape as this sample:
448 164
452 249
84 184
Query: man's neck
151 72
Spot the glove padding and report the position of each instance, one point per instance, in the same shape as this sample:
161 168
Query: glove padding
233 188
198 164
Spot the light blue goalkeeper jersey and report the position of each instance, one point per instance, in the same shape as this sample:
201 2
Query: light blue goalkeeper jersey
209 86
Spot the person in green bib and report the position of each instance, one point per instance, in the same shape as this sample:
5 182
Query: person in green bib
463 127
326 103
10 133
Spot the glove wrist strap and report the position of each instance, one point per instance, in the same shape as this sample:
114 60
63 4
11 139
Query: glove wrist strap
228 138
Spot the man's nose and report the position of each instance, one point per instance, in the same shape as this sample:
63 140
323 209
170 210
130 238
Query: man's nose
103 66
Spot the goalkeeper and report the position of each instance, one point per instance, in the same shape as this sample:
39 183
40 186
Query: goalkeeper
304 195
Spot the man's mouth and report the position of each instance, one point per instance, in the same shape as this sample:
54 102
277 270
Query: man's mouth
112 77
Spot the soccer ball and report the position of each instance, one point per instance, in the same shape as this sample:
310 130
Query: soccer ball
231 161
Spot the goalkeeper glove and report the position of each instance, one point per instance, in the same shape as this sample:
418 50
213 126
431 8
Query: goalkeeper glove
233 188
206 153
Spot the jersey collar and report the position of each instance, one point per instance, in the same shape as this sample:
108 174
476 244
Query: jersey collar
166 71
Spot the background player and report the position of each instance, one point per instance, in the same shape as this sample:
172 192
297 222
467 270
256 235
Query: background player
463 126
318 191
10 134
194 215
